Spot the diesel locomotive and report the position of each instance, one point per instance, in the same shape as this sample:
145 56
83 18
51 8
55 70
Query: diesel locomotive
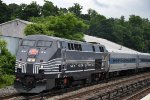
45 62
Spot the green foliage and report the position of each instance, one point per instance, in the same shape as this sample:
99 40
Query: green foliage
65 25
32 29
95 22
49 9
7 63
76 9
31 10
6 80
50 20
7 60
2 44
4 12
14 10
134 33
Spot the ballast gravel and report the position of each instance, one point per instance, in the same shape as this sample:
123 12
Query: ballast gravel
7 91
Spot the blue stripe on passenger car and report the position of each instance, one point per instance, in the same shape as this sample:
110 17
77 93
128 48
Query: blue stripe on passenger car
121 60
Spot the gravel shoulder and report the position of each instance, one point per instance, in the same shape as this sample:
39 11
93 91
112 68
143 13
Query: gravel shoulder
7 91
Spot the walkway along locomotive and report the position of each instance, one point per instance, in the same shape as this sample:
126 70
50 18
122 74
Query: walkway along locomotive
44 62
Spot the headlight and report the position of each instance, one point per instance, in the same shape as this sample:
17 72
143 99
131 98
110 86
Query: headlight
41 66
31 59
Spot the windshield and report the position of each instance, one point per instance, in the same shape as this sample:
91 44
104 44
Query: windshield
28 43
44 43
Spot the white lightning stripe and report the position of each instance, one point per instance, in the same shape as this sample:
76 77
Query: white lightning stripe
80 61
36 69
25 68
22 69
54 62
33 69
89 69
74 71
51 68
55 59
52 65
52 72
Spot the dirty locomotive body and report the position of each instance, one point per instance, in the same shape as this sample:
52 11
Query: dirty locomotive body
45 62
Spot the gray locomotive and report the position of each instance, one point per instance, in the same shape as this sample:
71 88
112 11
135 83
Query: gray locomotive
44 62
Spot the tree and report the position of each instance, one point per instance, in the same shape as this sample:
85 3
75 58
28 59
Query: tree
66 26
106 29
14 10
20 11
4 12
134 33
7 61
94 22
76 9
31 10
135 20
32 29
63 10
51 20
49 9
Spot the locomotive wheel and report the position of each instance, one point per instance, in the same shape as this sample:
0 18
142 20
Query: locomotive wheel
64 82
29 83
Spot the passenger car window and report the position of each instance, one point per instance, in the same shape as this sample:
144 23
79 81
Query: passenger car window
28 43
41 43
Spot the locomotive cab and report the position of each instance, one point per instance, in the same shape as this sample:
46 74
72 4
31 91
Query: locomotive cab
33 53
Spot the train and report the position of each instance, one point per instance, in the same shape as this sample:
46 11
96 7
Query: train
45 62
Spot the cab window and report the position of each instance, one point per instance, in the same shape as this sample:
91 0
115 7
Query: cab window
28 43
41 43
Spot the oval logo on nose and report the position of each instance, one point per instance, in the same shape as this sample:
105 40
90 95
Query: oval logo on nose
33 51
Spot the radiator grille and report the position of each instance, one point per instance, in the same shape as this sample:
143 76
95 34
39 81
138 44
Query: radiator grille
29 68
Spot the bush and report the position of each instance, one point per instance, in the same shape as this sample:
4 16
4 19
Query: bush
7 64
6 80
66 26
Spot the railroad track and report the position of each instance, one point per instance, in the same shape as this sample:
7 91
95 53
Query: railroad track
102 90
15 96
109 91
139 95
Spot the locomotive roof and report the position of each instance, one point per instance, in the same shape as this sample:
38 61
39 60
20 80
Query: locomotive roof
56 38
110 46
41 36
